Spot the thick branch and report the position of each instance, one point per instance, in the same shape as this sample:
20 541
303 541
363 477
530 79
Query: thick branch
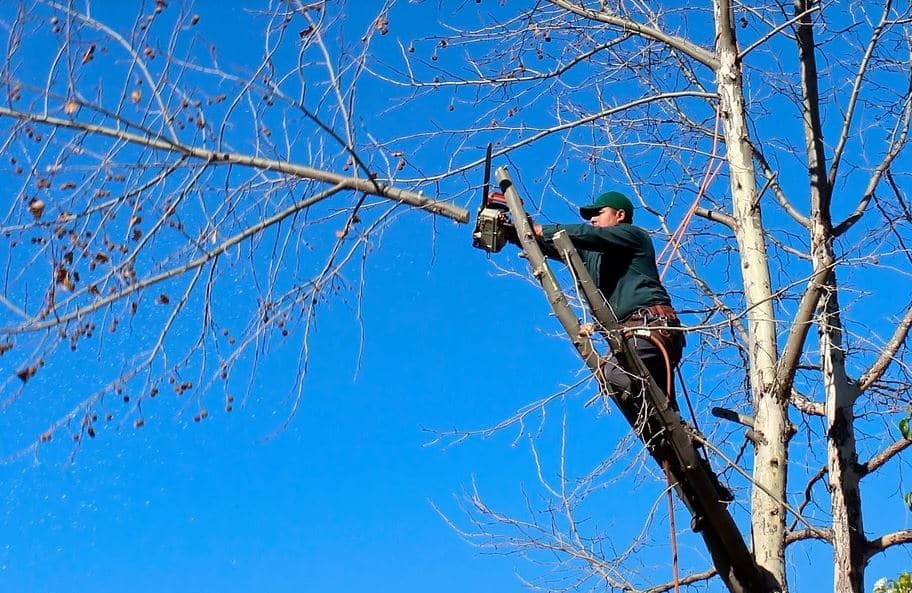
873 374
882 543
805 534
801 325
368 186
884 456
821 191
805 405
686 47
716 216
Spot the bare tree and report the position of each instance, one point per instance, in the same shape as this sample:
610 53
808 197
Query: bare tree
152 188
812 104
155 179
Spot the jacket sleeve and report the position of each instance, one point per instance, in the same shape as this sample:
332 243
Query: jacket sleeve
588 237
546 243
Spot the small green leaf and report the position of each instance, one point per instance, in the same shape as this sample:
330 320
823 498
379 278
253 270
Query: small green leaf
907 498
904 429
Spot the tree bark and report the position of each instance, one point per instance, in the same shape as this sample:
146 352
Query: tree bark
771 455
849 543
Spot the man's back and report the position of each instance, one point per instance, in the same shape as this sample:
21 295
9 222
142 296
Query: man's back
621 261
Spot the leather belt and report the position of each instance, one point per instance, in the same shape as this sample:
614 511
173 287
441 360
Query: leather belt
652 312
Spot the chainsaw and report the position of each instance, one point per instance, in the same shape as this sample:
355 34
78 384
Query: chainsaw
492 222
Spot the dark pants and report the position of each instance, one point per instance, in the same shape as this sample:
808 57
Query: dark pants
655 361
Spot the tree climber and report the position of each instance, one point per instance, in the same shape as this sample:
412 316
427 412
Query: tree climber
620 258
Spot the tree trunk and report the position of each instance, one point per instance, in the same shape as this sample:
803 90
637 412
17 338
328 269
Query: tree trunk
771 454
842 457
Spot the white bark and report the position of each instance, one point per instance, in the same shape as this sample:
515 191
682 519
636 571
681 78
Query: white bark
770 456
845 503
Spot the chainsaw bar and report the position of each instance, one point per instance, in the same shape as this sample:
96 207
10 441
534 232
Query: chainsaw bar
486 188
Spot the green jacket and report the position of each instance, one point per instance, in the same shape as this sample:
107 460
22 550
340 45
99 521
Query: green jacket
621 261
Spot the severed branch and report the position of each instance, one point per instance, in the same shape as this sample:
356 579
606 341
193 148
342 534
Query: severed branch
368 186
658 425
543 274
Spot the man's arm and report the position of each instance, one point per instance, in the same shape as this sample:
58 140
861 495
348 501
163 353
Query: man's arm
592 238
547 247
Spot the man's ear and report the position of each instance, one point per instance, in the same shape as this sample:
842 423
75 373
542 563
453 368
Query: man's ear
622 215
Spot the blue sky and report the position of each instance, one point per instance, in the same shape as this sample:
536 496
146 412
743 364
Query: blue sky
345 498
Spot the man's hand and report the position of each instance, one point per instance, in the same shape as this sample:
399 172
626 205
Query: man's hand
586 330
537 231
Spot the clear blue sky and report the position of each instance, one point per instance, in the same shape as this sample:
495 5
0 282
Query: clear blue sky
344 498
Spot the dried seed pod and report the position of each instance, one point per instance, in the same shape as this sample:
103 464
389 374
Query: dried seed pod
89 54
64 279
36 207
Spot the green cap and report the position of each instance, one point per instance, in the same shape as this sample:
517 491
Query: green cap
611 199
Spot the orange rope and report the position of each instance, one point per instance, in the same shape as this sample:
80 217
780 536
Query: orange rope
677 236
671 511
669 375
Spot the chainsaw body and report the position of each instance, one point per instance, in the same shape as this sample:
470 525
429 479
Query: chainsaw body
492 224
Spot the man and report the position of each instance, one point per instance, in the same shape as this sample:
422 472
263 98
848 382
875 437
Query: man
620 258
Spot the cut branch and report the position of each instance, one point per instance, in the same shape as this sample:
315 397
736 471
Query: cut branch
369 186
